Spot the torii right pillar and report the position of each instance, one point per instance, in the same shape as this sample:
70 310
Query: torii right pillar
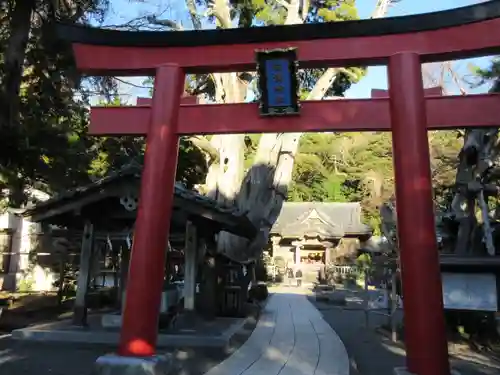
425 333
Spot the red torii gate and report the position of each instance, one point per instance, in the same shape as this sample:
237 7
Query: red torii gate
402 42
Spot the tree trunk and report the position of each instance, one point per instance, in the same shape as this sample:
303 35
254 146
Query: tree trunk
15 52
479 153
262 191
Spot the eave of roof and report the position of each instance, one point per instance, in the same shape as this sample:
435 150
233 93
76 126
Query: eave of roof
229 218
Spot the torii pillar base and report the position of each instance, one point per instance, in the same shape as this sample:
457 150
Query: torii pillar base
113 364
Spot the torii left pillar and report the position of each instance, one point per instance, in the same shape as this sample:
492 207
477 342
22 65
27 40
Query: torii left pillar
137 351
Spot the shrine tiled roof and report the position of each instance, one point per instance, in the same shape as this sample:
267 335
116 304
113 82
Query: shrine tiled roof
184 199
326 220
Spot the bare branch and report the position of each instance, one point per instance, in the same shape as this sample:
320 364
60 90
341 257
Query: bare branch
131 84
204 145
193 13
283 3
165 22
456 80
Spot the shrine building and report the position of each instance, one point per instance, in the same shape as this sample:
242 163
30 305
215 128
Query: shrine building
311 234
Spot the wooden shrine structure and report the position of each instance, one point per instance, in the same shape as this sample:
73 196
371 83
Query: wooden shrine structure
105 212
311 235
402 43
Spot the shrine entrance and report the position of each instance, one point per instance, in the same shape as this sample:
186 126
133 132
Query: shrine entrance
403 43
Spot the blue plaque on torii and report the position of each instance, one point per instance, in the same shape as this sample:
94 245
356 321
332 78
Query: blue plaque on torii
278 82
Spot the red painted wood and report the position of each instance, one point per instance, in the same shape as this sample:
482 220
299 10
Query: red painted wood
437 45
447 112
147 262
383 94
410 114
425 334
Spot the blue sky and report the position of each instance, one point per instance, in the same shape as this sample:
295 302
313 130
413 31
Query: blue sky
377 76
123 10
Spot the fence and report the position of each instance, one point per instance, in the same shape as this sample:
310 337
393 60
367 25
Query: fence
345 270
42 267
6 237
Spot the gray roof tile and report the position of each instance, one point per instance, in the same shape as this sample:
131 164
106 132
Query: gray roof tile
333 219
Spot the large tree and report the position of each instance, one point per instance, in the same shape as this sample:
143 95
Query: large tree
475 202
44 113
464 171
260 189
40 119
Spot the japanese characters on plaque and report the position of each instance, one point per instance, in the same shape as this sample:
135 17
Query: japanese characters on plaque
278 83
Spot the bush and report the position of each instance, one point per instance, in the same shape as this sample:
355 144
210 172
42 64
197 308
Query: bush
258 292
25 285
261 271
472 324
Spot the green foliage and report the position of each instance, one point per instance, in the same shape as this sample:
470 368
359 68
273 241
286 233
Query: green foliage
248 13
46 147
112 153
357 167
333 11
25 285
492 73
364 262
49 148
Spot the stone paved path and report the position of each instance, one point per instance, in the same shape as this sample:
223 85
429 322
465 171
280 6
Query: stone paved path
291 338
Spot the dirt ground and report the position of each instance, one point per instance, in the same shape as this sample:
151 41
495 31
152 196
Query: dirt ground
373 353
34 358
26 309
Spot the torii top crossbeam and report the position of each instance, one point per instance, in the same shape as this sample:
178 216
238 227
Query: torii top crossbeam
454 34
458 33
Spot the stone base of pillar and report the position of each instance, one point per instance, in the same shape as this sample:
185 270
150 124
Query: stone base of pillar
404 371
113 364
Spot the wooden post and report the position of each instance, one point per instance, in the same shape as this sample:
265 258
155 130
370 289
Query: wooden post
394 307
253 275
61 246
367 312
124 264
80 308
209 287
115 259
190 256
62 271
328 252
297 254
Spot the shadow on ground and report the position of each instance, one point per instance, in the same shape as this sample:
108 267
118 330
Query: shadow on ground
372 353
36 358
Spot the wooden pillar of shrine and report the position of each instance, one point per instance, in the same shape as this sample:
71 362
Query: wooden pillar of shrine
275 241
298 246
328 251
190 256
80 307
